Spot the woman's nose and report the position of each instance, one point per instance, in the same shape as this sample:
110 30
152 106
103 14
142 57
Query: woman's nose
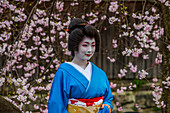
89 49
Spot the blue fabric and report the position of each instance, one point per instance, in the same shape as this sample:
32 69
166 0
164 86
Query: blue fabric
105 110
70 83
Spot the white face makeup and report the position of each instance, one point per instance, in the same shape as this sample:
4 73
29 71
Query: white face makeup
86 48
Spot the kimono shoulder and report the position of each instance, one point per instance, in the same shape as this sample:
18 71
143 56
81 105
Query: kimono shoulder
99 70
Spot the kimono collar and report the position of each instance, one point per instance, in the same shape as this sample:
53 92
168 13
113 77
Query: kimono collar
75 73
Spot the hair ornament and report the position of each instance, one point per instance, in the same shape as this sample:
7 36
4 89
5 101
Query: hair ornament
80 26
67 30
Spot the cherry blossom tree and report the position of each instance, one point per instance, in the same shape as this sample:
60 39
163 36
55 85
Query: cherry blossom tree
33 41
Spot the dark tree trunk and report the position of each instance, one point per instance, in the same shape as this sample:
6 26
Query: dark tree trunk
7 107
166 56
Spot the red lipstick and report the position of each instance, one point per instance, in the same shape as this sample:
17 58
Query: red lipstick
88 55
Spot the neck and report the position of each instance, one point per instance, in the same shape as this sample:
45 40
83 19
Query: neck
80 62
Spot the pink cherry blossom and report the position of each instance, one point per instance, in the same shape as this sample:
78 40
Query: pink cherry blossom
112 20
135 54
48 87
1 10
127 52
42 67
53 31
52 75
62 34
137 106
37 43
167 4
111 59
122 73
154 79
36 38
142 74
119 91
59 26
153 9
97 1
103 17
158 59
113 6
83 17
67 53
146 56
117 103
112 85
153 85
19 67
12 7
162 1
35 17
2 80
120 109
64 45
133 69
125 13
28 54
39 81
114 43
43 34
74 3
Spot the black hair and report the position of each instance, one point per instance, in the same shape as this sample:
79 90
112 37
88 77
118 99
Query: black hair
79 28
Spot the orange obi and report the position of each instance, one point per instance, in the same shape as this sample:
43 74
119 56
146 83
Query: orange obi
92 105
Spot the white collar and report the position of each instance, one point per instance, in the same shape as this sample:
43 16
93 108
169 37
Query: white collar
86 72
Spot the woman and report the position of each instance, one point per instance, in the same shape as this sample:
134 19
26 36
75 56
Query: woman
80 86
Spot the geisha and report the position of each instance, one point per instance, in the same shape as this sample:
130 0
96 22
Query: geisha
80 86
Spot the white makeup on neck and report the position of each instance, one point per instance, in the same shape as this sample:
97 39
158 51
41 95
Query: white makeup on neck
86 49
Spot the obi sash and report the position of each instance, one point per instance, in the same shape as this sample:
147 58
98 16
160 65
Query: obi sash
92 105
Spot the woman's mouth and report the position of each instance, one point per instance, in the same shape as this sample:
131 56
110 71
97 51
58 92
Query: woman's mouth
88 55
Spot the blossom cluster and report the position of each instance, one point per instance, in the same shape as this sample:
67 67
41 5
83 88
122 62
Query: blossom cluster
157 94
137 106
111 59
142 74
59 6
121 90
134 52
112 85
132 67
165 2
94 17
2 80
113 6
131 86
119 107
166 83
122 73
114 43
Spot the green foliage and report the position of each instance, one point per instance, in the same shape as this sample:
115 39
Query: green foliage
156 108
139 83
127 94
134 108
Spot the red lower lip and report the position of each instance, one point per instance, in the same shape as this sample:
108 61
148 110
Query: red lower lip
88 55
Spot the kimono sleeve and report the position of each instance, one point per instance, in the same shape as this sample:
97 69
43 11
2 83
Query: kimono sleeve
58 98
108 97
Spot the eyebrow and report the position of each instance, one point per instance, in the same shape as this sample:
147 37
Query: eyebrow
88 42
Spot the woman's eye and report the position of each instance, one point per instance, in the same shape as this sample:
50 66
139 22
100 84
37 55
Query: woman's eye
85 45
93 45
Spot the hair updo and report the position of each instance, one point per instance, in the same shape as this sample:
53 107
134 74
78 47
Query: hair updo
79 28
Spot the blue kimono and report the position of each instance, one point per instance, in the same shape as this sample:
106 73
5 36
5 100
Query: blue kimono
70 83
